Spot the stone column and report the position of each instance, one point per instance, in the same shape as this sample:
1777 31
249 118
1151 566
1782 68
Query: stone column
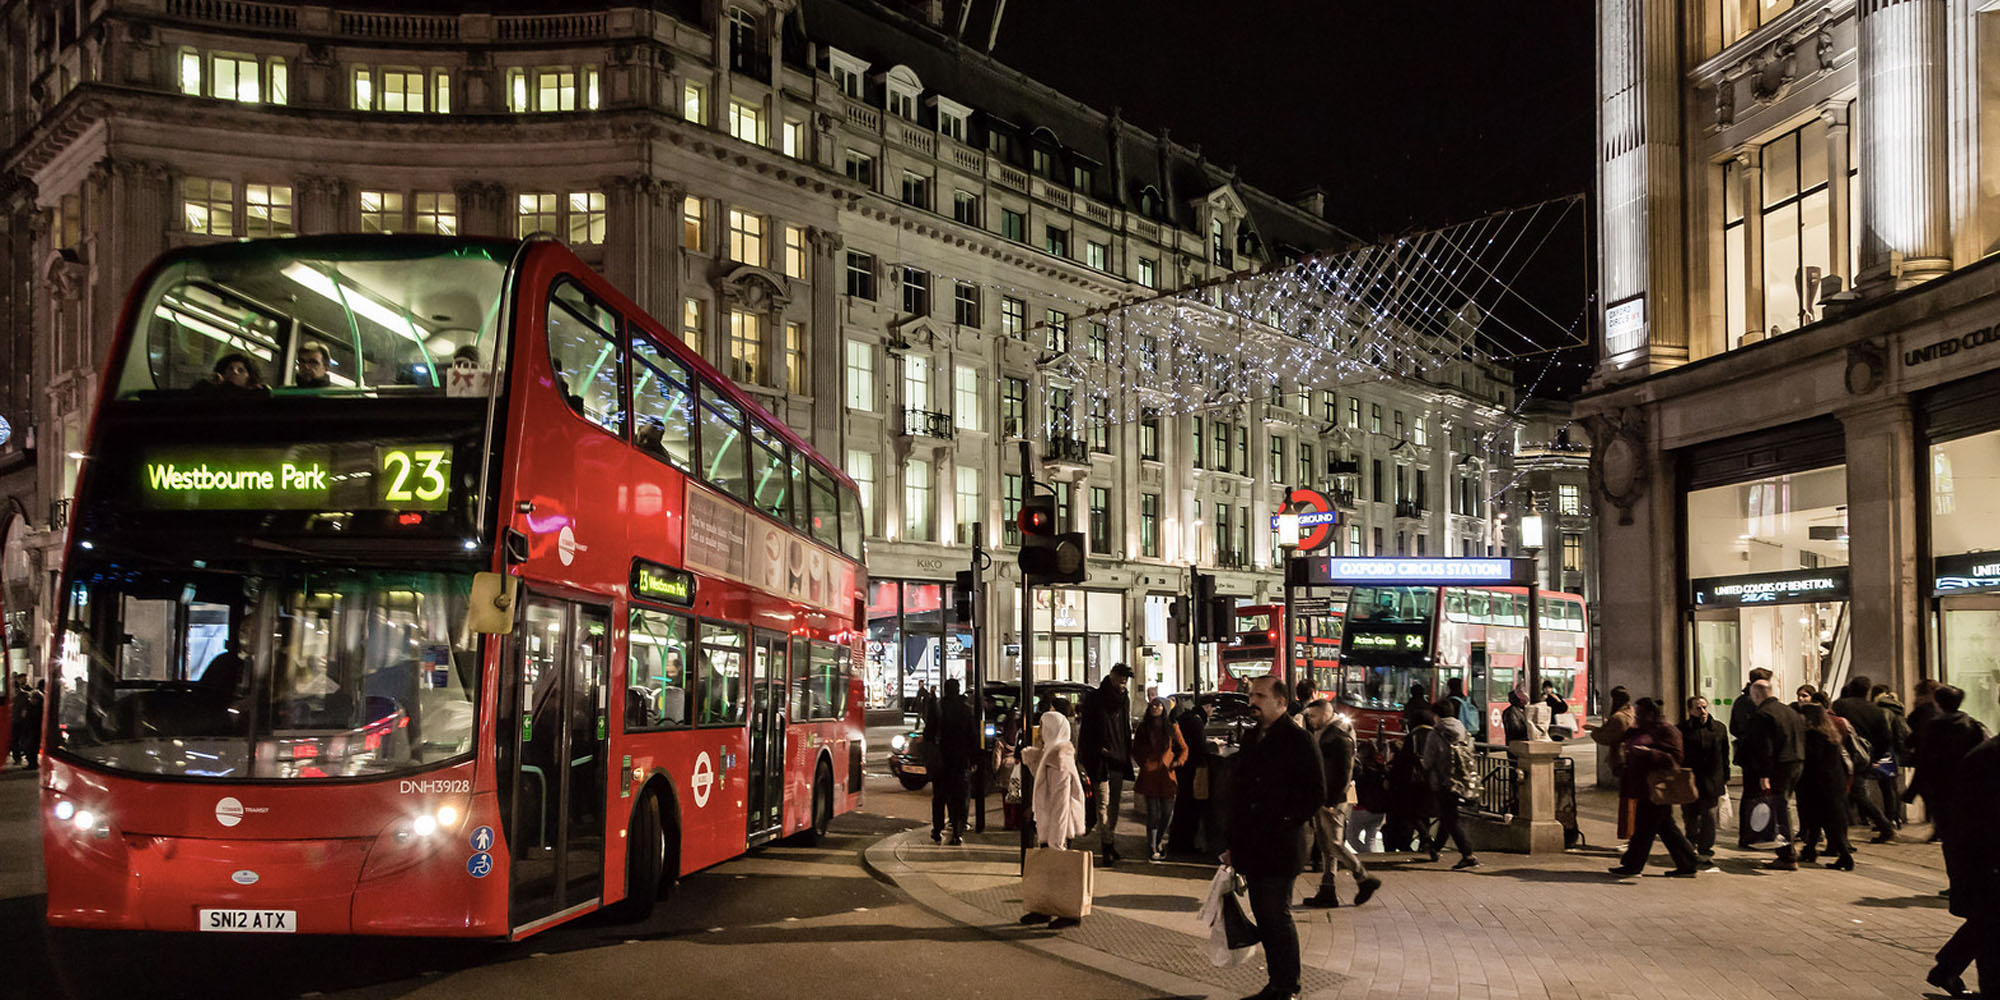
480 205
827 352
1904 201
1886 609
1840 202
1535 826
1751 162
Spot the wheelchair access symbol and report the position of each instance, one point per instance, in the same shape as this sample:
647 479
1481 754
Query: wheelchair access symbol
479 865
482 839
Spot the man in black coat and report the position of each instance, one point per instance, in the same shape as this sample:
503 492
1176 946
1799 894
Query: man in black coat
1104 749
1943 745
1744 709
951 737
1773 757
1705 751
1277 786
1870 723
1972 862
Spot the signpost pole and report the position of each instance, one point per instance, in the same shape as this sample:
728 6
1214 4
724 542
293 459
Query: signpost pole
1027 678
983 770
1535 631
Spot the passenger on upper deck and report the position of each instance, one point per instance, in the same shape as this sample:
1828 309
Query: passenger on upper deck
310 368
234 372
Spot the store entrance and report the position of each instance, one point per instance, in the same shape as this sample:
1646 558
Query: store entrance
1968 652
1801 643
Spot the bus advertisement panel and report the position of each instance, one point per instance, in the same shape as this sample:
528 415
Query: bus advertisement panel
425 585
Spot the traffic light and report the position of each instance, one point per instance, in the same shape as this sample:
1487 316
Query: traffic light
961 596
1048 556
1221 619
1204 595
1177 620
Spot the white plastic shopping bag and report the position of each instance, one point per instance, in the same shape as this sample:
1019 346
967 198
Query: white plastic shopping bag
1231 936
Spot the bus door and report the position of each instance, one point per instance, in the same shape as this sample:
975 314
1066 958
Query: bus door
767 737
554 717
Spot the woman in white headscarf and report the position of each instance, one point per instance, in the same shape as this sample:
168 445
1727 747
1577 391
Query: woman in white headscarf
1058 796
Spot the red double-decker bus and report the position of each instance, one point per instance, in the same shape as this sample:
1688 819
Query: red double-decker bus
1258 646
423 585
1395 639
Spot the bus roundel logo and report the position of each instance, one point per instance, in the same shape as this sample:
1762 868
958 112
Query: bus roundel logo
228 811
703 780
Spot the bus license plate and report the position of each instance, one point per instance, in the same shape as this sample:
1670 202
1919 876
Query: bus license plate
249 921
914 769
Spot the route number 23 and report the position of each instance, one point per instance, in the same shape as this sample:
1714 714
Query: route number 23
417 474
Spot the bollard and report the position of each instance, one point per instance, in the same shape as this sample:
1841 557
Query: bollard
1536 825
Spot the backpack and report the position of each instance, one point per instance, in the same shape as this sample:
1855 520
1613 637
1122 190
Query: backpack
1464 770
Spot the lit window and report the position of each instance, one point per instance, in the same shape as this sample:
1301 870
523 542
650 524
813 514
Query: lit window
434 212
190 72
208 206
916 292
590 88
917 500
1095 254
693 216
382 212
555 89
746 121
860 376
517 90
280 90
586 217
233 78
364 89
795 252
965 398
746 237
861 469
440 91
1572 553
746 348
267 210
795 139
1569 499
968 506
694 323
694 103
537 213
798 379
403 90
1013 317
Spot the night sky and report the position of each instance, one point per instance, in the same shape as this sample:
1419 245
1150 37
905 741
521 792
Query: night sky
1411 115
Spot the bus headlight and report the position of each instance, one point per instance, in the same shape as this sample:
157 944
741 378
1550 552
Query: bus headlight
65 809
424 825
897 743
84 820
447 816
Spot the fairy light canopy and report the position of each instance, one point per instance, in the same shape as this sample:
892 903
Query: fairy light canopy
1407 307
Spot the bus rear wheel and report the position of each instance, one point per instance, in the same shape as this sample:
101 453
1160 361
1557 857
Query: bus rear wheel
822 807
646 861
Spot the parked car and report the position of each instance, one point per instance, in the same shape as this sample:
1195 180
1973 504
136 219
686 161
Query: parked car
908 761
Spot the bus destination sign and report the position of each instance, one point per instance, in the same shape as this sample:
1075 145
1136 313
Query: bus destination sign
298 477
1419 571
659 582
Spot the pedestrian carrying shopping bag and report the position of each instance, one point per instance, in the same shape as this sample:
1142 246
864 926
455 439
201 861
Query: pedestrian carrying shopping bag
1056 882
1759 817
1725 810
1232 938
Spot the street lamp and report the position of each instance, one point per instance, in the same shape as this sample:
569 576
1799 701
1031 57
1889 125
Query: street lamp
1531 546
1288 540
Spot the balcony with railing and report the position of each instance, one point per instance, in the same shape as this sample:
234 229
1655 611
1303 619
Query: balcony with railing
1343 499
1230 557
59 514
927 423
1071 451
1342 467
1409 510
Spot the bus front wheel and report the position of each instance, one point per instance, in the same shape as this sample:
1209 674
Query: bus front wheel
822 807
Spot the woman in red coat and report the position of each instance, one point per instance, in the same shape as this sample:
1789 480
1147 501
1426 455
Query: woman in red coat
1158 749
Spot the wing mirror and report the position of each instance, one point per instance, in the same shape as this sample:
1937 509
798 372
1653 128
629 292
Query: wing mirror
490 609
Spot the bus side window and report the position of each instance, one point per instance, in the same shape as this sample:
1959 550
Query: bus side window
770 488
799 519
722 447
657 682
583 350
850 523
662 404
825 510
721 675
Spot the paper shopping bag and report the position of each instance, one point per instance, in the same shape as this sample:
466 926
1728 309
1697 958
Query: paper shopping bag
1056 882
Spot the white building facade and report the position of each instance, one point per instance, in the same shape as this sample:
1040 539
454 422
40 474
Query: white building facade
879 231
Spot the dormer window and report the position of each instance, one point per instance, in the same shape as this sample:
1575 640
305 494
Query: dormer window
1149 202
952 118
903 89
848 72
745 50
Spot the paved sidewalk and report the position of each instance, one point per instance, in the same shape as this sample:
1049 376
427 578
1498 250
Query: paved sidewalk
1520 927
